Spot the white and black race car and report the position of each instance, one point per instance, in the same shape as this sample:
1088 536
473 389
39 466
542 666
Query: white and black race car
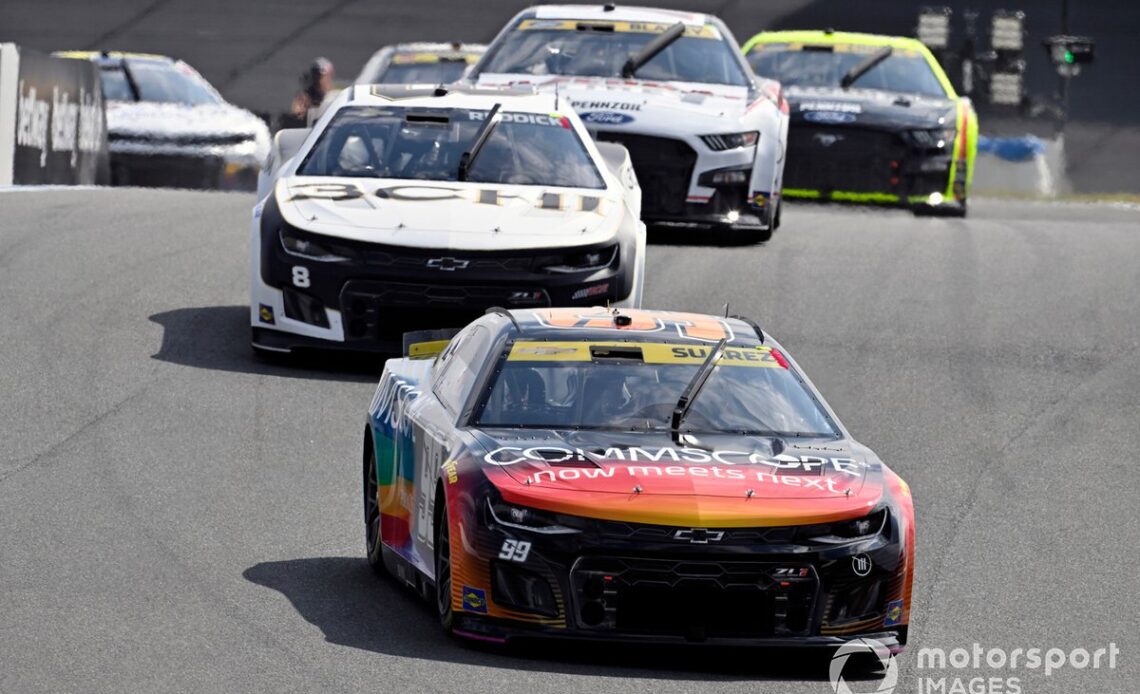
707 136
405 208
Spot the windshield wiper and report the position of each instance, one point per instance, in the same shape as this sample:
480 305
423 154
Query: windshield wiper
467 160
650 50
689 395
865 66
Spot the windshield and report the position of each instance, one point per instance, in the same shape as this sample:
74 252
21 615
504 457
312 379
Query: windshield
419 69
600 49
426 144
824 66
628 386
157 81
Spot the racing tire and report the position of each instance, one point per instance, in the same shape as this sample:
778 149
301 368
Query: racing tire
372 544
443 566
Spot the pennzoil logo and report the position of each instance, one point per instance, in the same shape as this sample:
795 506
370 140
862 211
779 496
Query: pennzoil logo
474 599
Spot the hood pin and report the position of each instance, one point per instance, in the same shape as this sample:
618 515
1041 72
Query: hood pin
748 494
848 492
637 489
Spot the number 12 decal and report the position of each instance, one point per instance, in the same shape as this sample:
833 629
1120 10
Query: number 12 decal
515 550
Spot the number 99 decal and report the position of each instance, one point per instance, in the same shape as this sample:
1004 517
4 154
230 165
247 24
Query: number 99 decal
301 276
515 550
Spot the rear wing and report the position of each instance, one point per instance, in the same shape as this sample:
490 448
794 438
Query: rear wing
426 344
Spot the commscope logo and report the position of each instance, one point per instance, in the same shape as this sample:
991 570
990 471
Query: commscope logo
978 670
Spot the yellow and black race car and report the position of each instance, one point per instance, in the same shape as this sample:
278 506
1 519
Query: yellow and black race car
874 119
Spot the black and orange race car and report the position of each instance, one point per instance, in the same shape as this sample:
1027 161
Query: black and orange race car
632 475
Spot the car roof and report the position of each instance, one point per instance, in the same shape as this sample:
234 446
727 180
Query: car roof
587 323
829 38
619 13
412 96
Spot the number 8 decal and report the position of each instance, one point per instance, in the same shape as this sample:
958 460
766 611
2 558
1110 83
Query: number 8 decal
301 276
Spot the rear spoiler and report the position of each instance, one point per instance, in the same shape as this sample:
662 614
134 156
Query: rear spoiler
426 344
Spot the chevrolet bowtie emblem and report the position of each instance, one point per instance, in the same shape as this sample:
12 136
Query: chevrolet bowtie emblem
699 536
447 264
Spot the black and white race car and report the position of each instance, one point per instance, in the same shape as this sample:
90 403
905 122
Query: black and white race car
707 136
168 127
407 208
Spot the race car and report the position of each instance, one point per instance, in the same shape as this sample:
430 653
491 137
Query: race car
167 126
420 63
706 135
405 208
633 475
874 120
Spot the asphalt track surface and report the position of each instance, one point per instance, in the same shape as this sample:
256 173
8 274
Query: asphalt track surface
178 516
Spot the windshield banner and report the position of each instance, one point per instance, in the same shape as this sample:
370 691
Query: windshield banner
706 31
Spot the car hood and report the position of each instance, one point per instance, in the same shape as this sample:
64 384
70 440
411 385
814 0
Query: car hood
644 477
161 121
452 215
870 108
609 102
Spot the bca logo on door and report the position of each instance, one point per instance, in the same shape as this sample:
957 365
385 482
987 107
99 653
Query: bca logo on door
865 648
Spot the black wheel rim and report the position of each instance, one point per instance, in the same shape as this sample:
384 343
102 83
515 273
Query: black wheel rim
371 505
443 568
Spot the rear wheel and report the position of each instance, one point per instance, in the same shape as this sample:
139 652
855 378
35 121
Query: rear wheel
443 565
372 541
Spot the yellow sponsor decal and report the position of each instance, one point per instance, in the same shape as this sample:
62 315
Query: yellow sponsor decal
420 350
706 31
449 468
866 48
409 58
651 353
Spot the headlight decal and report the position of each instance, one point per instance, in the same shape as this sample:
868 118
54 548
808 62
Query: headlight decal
725 142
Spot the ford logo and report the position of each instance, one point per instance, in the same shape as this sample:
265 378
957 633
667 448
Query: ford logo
829 117
606 118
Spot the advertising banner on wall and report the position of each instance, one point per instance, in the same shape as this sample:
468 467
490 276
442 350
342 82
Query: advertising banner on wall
53 126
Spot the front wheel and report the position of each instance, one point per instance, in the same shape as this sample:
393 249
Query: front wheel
373 545
443 566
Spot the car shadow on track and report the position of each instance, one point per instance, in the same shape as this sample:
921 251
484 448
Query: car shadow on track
217 337
356 608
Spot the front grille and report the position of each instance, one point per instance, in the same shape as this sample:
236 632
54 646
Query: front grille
635 532
161 170
204 139
692 598
832 158
664 168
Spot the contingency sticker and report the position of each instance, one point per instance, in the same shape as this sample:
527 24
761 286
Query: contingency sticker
651 353
706 31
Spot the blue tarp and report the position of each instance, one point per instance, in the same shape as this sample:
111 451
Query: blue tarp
1012 148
